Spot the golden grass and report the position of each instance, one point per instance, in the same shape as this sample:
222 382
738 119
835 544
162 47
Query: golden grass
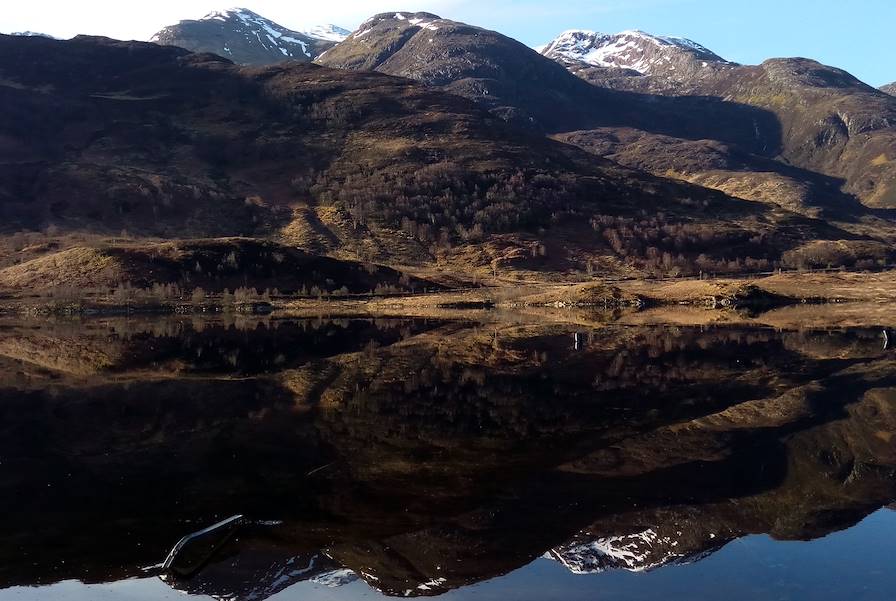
74 267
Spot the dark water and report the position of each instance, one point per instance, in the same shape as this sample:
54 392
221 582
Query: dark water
419 458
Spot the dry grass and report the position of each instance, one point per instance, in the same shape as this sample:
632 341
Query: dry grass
77 266
856 300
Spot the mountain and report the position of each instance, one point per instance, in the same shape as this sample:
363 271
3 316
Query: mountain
103 136
248 38
830 123
632 53
509 78
32 34
772 133
889 89
521 86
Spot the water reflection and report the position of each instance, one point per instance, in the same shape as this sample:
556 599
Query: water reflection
422 457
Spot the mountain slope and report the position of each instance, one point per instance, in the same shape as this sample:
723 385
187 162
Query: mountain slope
519 85
889 89
830 122
695 96
248 38
101 136
508 77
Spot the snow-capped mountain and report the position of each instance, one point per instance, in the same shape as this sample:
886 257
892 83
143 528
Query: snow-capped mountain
632 50
32 34
248 38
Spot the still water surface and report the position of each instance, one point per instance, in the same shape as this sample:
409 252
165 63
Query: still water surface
420 458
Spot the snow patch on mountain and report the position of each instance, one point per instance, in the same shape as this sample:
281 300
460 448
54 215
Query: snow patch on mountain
648 54
335 578
329 32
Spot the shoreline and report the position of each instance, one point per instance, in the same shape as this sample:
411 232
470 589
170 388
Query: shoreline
575 302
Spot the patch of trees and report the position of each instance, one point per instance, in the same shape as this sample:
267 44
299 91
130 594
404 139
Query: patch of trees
663 245
444 203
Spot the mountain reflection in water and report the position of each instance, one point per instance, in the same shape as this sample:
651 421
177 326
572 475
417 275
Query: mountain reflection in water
420 457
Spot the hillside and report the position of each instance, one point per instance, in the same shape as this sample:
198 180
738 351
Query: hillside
248 38
501 73
213 265
104 136
781 122
828 122
889 89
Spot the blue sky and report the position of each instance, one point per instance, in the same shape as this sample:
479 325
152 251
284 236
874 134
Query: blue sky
856 35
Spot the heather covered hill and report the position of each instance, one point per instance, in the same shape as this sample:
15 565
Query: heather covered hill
102 136
786 110
213 265
494 69
829 122
519 85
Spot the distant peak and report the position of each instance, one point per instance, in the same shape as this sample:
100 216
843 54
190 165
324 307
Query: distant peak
245 37
327 32
631 49
32 34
